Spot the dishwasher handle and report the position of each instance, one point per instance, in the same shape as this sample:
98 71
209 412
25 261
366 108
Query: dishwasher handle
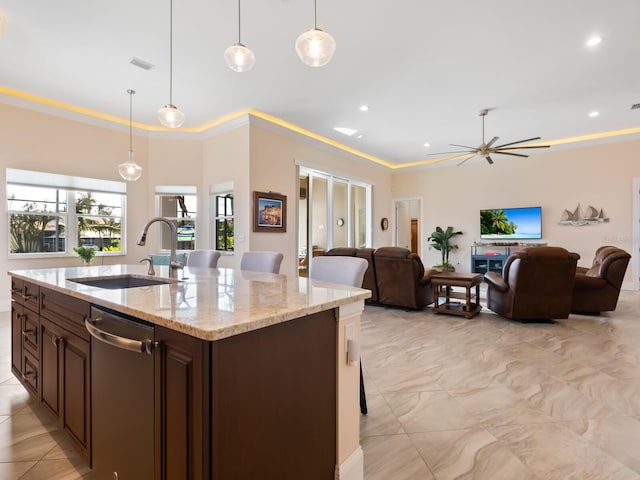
138 346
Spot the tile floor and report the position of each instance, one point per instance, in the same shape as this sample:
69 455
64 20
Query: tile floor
449 398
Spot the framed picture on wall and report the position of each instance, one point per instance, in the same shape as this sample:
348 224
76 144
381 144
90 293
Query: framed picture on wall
269 212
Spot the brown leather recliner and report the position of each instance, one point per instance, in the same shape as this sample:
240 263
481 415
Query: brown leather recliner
596 289
402 281
369 281
537 284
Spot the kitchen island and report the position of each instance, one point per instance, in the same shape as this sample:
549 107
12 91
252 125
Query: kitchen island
251 373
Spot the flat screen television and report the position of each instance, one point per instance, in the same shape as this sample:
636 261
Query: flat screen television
511 223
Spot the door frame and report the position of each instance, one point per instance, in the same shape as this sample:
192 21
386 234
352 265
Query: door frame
394 222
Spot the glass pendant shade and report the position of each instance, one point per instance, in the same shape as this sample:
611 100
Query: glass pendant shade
239 58
130 171
315 47
170 116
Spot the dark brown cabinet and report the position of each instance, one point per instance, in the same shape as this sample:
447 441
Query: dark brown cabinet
261 404
65 365
181 394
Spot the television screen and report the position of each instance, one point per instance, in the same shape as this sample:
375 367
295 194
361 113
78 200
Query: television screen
511 223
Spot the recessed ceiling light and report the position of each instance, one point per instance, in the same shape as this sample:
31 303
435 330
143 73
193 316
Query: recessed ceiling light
345 131
593 41
427 144
360 136
594 114
364 108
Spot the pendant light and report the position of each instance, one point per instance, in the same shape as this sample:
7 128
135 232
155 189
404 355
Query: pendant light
130 170
238 57
169 115
315 47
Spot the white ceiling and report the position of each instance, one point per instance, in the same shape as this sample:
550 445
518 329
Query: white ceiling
425 68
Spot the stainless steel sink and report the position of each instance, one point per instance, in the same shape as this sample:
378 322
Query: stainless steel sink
116 282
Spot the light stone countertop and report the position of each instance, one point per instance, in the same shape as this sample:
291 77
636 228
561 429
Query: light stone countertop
209 304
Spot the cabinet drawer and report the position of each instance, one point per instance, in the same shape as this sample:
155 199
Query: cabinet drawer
30 373
25 293
17 292
31 332
68 312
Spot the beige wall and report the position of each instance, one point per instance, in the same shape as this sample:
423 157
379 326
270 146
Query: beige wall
251 157
599 175
35 141
255 157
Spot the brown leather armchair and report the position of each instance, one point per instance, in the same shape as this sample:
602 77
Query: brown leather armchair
596 289
536 284
402 280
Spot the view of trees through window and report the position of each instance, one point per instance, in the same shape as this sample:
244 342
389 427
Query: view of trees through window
41 222
224 222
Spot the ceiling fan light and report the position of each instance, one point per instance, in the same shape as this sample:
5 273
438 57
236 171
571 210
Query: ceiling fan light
315 47
170 116
239 58
130 170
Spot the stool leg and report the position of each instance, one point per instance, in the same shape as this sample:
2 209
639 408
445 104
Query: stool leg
363 397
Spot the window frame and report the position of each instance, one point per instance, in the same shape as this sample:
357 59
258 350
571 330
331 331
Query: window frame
70 185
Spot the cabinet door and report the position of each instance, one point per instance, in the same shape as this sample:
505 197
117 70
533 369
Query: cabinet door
16 339
75 391
52 337
65 381
182 445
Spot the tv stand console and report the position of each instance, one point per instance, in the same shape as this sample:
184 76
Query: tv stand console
491 256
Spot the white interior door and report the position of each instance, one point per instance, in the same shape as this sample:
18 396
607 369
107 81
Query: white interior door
403 225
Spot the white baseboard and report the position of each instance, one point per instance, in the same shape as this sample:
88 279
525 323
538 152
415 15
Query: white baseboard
629 286
352 468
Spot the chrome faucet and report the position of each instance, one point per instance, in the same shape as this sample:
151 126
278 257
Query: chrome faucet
174 264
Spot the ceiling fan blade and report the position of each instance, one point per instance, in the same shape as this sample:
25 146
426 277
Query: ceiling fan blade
468 158
489 160
492 141
447 153
511 153
519 141
465 146
524 146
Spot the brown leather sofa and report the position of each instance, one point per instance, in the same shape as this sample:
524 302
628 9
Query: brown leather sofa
596 289
369 281
396 277
537 284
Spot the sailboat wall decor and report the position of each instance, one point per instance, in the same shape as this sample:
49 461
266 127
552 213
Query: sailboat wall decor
576 218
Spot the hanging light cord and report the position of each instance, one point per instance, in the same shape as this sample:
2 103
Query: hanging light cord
315 14
239 22
170 52
131 94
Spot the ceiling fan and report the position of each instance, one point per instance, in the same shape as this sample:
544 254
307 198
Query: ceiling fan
487 149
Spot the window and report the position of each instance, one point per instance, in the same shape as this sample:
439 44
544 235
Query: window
178 204
41 220
37 219
224 222
222 208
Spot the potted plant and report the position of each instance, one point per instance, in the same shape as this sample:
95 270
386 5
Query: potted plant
441 240
85 253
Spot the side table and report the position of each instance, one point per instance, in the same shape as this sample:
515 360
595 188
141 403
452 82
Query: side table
454 279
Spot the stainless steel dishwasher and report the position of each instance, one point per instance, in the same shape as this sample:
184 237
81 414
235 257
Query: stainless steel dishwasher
121 395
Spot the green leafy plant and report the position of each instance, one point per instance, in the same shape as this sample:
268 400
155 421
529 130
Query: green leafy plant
441 240
85 253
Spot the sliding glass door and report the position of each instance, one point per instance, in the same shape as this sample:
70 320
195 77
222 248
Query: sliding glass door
333 212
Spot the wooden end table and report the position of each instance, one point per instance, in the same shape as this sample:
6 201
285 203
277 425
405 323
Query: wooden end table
454 279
